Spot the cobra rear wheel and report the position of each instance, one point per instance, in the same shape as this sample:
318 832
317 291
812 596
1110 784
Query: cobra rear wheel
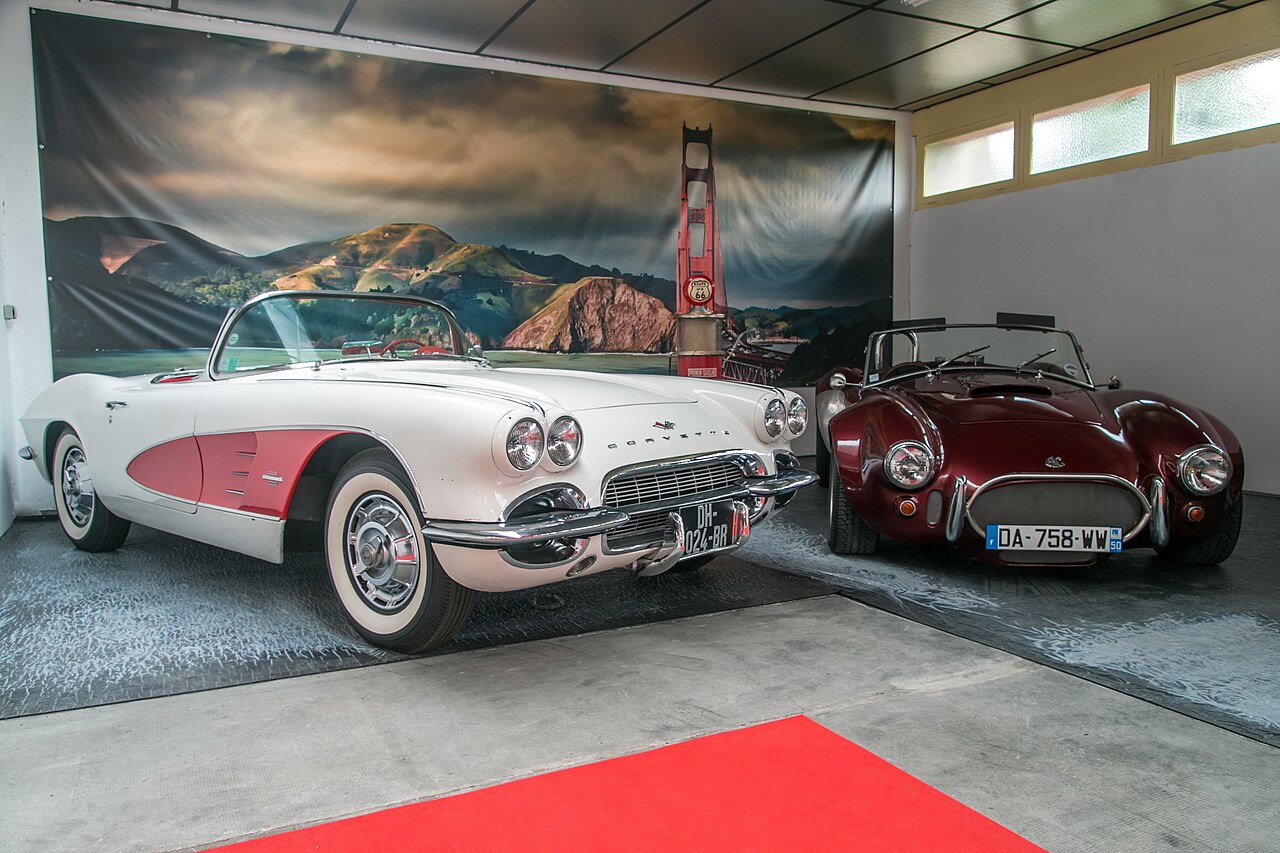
386 578
847 533
87 522
1213 550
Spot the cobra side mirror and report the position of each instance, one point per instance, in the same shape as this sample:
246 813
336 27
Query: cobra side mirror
475 351
1113 382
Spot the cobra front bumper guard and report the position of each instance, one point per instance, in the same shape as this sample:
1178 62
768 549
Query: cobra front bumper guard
581 523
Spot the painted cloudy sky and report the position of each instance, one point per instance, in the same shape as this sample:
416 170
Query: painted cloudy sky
259 145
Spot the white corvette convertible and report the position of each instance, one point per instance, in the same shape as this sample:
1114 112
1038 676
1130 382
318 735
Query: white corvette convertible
359 424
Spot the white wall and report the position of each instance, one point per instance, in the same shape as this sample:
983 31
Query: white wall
26 364
1169 275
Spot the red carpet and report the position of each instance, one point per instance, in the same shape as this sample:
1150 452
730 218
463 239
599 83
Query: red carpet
790 785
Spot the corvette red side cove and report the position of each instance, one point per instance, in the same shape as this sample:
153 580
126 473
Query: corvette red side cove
994 438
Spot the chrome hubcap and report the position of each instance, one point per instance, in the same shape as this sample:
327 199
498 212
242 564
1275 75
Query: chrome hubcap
77 487
382 552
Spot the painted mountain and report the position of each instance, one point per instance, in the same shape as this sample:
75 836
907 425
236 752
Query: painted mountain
128 284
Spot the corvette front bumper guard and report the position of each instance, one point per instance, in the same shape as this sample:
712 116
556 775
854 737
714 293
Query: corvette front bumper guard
581 523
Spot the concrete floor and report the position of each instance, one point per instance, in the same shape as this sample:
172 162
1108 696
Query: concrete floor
1068 764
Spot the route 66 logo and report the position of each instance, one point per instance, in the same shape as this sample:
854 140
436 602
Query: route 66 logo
698 289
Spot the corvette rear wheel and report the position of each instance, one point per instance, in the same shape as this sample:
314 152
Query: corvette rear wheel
1213 550
87 522
386 578
847 533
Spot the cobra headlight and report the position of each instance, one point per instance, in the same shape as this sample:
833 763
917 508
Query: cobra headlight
564 440
1204 470
908 464
525 443
797 416
775 418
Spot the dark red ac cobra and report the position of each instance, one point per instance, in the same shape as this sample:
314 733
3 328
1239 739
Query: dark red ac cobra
994 438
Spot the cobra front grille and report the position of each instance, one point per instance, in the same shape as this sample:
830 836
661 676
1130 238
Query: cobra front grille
1083 504
662 483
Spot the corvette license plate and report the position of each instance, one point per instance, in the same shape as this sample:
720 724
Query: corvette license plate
708 527
1034 537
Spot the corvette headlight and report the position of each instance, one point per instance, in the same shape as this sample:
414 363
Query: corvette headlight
908 464
525 443
775 417
1204 470
564 441
797 416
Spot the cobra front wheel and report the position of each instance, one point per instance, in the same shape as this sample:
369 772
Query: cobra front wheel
386 578
847 533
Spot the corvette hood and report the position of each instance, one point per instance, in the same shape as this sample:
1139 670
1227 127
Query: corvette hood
994 398
571 390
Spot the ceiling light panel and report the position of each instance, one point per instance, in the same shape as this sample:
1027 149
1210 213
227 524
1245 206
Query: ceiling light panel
1082 22
942 69
447 24
583 33
855 47
306 14
726 35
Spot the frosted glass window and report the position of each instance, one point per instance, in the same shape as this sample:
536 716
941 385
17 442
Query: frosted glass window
972 160
1226 98
1099 129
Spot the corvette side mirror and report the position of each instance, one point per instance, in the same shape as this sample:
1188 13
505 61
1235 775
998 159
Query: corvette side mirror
1113 382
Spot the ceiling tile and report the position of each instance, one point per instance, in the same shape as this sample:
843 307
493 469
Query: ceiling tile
972 13
942 69
947 96
307 14
1161 27
1082 22
1036 67
584 33
726 35
850 49
449 24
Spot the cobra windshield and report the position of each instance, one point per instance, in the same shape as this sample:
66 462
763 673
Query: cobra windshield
1017 349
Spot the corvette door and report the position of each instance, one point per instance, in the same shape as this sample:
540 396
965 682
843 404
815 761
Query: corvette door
149 443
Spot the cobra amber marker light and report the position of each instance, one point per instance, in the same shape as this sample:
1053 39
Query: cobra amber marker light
1195 513
907 507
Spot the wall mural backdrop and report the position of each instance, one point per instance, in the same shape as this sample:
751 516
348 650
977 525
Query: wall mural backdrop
184 172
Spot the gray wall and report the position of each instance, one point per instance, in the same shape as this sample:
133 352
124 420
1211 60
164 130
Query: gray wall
1167 274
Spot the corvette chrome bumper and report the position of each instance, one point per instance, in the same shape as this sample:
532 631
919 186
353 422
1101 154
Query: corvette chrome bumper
569 524
580 524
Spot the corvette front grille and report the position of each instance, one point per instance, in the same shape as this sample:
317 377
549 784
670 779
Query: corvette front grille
664 482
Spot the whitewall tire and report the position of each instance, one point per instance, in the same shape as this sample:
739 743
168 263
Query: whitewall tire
383 571
85 519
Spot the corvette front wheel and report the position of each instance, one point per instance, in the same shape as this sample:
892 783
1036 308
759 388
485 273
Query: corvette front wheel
387 580
87 522
847 533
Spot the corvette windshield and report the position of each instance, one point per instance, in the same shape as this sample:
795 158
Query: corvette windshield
908 352
280 331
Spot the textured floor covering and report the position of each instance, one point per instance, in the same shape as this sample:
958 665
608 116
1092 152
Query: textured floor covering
1202 641
163 615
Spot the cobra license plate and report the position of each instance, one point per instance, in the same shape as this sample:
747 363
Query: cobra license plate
708 527
1033 537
